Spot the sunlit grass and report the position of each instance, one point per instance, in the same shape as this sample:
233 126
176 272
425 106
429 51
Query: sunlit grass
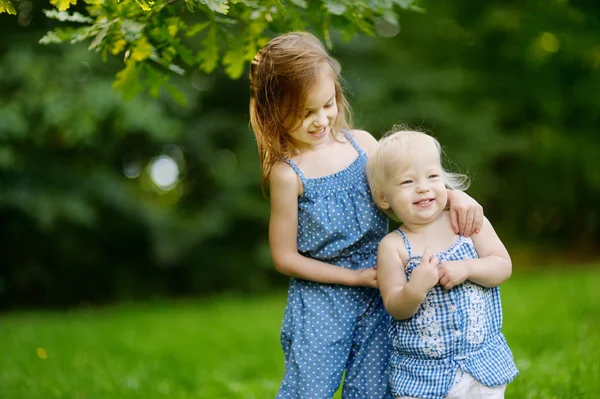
228 347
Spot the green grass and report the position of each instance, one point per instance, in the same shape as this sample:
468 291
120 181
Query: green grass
228 347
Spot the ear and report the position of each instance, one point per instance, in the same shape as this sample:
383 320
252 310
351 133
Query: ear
382 202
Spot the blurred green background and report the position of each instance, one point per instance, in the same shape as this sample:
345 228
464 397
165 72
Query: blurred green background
104 201
510 90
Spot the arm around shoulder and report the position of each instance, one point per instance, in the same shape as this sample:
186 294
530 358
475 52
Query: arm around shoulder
283 235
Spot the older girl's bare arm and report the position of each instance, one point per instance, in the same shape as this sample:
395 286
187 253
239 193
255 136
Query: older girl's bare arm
400 298
283 232
491 269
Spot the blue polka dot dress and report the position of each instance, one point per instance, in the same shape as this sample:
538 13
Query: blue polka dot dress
331 328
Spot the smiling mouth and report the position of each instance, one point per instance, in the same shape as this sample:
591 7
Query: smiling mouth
319 132
424 202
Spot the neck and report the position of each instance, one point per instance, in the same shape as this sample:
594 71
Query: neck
423 228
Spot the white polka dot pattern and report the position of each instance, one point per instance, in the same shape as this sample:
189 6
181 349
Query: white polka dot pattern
331 328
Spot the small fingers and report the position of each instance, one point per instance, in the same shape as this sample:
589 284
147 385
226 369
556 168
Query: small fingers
454 220
468 229
462 219
448 286
478 222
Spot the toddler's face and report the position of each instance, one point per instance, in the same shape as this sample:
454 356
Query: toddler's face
416 192
319 115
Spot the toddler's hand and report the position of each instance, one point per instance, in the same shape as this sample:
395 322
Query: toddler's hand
425 275
367 277
452 273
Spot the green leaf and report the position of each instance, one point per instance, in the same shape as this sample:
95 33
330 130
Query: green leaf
348 31
405 3
184 53
50 38
196 28
81 34
299 3
132 29
65 16
219 6
128 81
7 7
145 6
96 43
71 35
234 60
209 54
155 79
177 95
335 7
141 50
63 5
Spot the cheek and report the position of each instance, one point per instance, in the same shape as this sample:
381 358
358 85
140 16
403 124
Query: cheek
334 112
443 194
301 127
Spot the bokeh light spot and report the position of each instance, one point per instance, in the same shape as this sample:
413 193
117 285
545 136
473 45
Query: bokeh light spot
164 172
549 42
41 353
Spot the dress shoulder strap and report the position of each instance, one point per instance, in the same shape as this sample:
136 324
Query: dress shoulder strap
297 170
406 242
353 141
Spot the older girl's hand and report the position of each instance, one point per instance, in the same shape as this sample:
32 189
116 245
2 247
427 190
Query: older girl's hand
466 215
367 277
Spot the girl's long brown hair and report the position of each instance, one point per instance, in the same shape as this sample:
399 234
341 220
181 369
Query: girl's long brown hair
282 74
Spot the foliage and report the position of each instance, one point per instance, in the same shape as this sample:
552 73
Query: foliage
509 91
74 226
228 347
157 38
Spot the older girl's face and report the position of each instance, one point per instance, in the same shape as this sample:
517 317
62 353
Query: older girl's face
319 115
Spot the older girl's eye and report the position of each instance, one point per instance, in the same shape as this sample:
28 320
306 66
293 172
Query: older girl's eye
328 105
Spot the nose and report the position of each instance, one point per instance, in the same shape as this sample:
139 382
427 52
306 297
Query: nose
321 119
422 188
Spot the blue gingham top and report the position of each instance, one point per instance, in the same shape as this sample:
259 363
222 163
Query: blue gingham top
459 328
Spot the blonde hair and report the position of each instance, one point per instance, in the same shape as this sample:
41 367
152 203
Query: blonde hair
401 145
282 74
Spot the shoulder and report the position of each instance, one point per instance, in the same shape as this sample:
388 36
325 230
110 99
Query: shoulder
393 243
364 139
486 231
283 178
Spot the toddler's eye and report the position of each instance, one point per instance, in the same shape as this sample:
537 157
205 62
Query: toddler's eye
434 176
405 182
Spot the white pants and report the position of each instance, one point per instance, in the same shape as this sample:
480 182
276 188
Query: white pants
467 387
